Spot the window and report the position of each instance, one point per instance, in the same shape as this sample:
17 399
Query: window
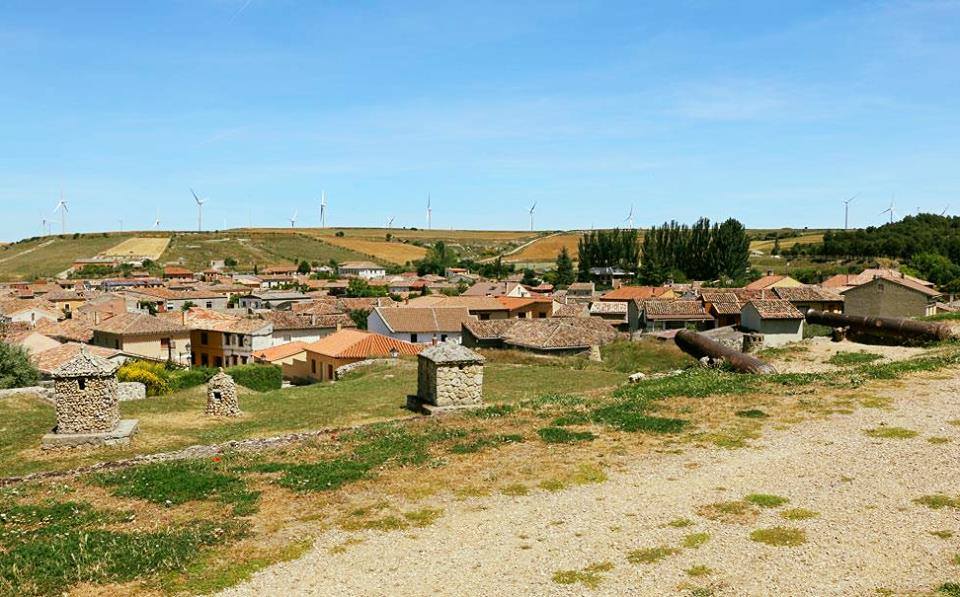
542 315
82 383
227 339
484 316
204 361
313 366
164 342
209 304
116 344
218 361
413 337
443 337
203 338
243 360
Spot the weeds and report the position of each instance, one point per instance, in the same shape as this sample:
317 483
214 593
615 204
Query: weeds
729 512
799 514
765 500
779 536
938 501
699 570
589 577
559 435
752 413
695 540
891 433
845 359
651 555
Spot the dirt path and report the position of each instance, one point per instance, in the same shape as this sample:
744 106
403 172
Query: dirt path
869 533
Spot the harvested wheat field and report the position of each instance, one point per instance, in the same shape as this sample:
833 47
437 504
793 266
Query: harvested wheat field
151 248
862 503
392 252
787 242
546 249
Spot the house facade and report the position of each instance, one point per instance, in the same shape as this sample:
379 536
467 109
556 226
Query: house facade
890 297
778 320
419 325
144 336
361 269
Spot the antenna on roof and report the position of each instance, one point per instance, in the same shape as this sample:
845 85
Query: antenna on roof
533 208
846 211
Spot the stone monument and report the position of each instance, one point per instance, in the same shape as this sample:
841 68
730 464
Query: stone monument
87 404
449 377
222 396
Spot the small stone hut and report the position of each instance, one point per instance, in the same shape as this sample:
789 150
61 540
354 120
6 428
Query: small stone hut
449 376
85 389
222 396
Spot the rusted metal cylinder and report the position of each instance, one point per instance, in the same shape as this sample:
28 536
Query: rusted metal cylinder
889 327
699 346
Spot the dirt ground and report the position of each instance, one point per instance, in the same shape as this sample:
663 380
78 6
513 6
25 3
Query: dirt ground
811 356
865 534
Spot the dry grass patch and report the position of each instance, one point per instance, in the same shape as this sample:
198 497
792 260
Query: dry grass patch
938 501
695 540
699 570
938 440
346 544
733 512
584 474
590 577
779 536
680 523
942 534
799 514
651 555
515 490
891 433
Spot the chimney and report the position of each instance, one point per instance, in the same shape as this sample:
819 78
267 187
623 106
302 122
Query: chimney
96 317
183 317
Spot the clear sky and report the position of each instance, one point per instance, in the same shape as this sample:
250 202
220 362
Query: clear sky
771 112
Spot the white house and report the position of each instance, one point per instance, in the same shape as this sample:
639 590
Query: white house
27 311
361 269
778 320
420 325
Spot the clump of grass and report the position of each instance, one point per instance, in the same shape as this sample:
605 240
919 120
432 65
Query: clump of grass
938 501
423 517
584 474
589 577
951 589
779 536
571 418
695 540
359 520
876 402
766 500
493 411
891 433
679 523
515 489
844 359
938 440
342 547
753 413
559 435
651 555
178 482
799 514
954 422
943 534
481 443
699 570
729 512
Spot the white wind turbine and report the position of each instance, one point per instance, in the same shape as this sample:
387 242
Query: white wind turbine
44 225
62 208
200 203
629 218
429 213
846 211
293 220
390 222
944 212
323 209
533 208
156 221
890 210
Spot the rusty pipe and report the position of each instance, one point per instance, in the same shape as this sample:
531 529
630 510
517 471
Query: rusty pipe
699 346
890 327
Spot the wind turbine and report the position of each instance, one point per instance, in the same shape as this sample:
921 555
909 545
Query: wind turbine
323 209
293 220
44 225
390 222
429 213
62 208
200 203
629 218
120 220
944 212
846 210
156 222
533 208
890 210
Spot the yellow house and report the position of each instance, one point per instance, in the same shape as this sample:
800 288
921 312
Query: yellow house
144 336
341 348
290 357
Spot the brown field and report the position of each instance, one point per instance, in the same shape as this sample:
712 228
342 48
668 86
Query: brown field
786 243
546 249
392 252
138 246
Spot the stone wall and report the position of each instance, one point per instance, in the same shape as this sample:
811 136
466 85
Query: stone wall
131 390
450 384
349 367
92 408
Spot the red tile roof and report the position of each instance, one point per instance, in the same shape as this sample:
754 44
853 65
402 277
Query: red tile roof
277 353
628 293
776 309
355 344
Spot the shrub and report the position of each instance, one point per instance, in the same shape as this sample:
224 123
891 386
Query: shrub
154 376
16 370
261 378
183 379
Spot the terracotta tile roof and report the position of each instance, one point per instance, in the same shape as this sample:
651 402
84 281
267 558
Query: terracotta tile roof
767 282
612 308
136 324
515 303
676 309
841 280
776 309
287 320
473 303
581 286
415 320
726 308
282 351
491 289
173 270
364 304
719 297
571 310
743 294
628 293
13 306
316 308
76 330
906 283
355 344
50 360
196 318
568 333
360 265
807 294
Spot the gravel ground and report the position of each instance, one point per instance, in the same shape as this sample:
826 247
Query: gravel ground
819 350
869 534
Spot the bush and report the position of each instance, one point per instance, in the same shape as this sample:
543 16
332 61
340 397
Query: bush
154 376
16 370
183 379
261 378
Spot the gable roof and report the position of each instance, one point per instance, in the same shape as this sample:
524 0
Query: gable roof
678 309
472 303
765 282
775 309
906 283
355 344
282 351
841 280
807 294
415 320
629 293
563 333
138 324
286 320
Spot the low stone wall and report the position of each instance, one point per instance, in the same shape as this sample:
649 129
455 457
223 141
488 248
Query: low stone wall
131 390
40 391
349 367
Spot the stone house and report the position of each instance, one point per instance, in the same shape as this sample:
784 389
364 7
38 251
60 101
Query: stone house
657 315
419 325
449 376
778 320
144 336
890 297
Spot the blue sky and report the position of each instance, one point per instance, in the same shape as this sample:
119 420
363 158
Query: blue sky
771 112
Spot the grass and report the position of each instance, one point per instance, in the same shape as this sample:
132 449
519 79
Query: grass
845 358
938 501
695 540
779 536
590 577
209 574
651 555
950 589
938 440
175 483
679 523
647 356
799 514
481 443
699 570
942 534
728 512
891 433
765 500
584 474
559 435
752 413
515 490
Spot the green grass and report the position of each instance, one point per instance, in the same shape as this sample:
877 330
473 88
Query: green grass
559 435
647 356
752 413
799 514
779 536
765 500
178 482
699 570
209 573
478 444
48 256
942 534
845 359
651 555
938 501
891 433
695 540
47 548
590 577
950 589
679 523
